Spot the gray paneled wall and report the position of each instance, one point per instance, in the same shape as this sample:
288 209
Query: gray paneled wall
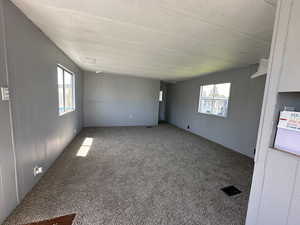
118 100
239 130
40 133
8 192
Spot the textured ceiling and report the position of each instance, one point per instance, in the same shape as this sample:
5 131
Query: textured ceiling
164 39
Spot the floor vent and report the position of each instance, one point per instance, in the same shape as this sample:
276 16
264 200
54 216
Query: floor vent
149 127
231 190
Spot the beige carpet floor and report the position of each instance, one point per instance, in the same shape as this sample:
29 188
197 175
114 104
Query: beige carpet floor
141 176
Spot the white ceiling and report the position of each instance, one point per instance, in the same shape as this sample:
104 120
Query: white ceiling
164 39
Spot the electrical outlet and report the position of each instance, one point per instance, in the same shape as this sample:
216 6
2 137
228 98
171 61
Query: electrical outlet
37 170
130 116
4 93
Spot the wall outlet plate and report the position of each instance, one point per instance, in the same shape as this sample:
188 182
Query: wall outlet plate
37 170
4 93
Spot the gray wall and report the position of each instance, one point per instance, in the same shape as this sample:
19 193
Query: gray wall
40 134
117 100
239 130
8 193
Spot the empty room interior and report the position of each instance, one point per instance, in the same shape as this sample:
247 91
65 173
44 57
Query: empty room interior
149 112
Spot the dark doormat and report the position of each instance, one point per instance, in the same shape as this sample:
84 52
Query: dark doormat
231 190
63 220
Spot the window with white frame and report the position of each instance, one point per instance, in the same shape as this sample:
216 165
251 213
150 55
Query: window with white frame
66 90
214 99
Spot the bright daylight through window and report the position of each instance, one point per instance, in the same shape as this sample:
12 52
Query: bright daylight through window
66 86
85 147
161 96
214 99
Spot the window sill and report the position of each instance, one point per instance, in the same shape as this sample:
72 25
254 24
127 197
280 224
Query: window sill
65 113
213 115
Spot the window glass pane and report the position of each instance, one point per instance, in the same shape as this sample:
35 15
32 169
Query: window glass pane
69 105
160 96
207 91
222 91
66 100
206 106
214 99
220 107
60 83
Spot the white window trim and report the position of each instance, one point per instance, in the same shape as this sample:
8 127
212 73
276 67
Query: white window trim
73 89
212 114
